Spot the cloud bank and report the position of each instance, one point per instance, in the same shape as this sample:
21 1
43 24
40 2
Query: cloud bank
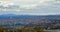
32 7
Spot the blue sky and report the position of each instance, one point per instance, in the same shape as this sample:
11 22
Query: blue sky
30 7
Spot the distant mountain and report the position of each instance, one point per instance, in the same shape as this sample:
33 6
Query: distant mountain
13 16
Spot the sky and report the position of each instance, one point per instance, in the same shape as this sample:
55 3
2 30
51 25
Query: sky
30 7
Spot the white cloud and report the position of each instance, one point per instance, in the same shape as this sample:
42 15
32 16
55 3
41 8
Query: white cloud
5 3
32 6
24 0
57 2
18 11
42 1
48 2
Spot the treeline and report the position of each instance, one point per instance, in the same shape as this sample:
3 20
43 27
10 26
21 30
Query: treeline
29 29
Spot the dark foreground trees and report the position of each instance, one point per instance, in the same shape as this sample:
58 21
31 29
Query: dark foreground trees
27 29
